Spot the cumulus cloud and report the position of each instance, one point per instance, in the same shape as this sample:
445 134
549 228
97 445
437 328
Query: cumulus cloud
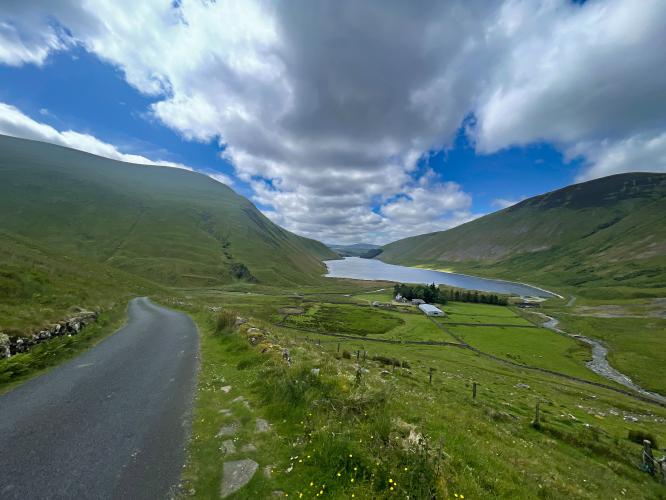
325 108
569 73
15 123
501 203
642 152
221 178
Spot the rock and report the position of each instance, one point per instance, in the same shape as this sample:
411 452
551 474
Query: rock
228 447
5 351
315 371
228 430
235 475
262 425
14 345
286 356
249 448
240 321
522 386
241 399
226 389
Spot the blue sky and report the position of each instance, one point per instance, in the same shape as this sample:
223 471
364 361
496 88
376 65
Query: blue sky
334 126
76 91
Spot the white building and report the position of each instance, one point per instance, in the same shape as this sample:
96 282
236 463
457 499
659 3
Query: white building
430 310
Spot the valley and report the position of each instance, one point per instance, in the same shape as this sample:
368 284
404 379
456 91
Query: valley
313 385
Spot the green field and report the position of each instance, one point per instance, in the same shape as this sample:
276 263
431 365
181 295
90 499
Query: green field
635 345
342 318
330 428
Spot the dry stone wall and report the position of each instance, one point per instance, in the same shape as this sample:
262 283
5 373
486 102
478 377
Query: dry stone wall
11 345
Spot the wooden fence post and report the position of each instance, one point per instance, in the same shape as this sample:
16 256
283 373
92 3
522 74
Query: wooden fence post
430 372
474 384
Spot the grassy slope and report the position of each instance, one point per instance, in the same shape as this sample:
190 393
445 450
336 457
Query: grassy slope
604 234
330 434
39 286
171 226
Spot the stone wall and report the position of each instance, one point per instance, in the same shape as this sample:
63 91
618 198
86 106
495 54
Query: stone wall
10 345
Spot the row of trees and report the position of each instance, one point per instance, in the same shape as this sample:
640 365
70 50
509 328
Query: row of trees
429 293
433 294
456 295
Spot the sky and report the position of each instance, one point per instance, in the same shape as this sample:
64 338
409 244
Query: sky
348 121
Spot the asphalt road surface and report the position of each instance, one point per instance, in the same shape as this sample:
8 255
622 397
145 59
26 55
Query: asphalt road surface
110 423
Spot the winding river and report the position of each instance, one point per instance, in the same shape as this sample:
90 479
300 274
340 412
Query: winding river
372 269
599 363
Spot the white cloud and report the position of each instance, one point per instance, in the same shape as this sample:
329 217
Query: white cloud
325 107
589 79
642 152
222 178
15 123
501 203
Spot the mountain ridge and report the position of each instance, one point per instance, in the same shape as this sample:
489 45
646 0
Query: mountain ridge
169 225
599 233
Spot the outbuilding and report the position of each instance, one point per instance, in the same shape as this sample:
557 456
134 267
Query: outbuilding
417 302
430 310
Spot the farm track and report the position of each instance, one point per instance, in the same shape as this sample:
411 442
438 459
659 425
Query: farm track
110 423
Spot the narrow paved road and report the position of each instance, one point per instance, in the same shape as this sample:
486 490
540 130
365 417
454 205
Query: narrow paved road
110 423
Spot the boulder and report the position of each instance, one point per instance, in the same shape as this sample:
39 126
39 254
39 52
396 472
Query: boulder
235 475
228 447
5 351
228 430
262 425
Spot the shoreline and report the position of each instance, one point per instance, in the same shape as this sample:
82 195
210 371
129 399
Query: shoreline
553 294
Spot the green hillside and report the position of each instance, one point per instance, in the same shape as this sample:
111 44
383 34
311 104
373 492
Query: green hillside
170 226
39 286
605 233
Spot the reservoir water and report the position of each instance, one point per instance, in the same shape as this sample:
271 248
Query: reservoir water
372 269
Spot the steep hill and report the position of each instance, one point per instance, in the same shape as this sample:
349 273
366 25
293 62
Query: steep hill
170 226
608 232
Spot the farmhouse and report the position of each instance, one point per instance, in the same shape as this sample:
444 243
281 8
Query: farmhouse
431 310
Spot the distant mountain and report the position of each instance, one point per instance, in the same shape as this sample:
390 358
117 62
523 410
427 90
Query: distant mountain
170 226
608 232
353 250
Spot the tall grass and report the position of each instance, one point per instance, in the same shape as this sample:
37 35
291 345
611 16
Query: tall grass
350 434
225 321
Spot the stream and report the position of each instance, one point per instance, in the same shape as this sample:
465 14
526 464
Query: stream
599 363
